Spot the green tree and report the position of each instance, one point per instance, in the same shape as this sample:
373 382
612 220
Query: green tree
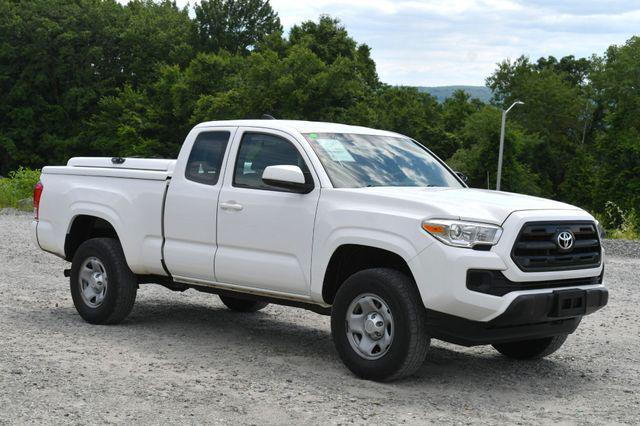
294 83
554 108
329 41
416 114
234 25
57 57
153 33
457 108
575 71
618 142
478 158
122 127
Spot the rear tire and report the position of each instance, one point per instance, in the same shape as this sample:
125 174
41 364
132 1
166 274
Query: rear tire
378 324
102 286
243 305
531 349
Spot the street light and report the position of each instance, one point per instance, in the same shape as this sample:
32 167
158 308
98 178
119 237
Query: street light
504 121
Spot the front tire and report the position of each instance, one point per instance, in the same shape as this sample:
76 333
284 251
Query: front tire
531 349
378 324
103 287
243 305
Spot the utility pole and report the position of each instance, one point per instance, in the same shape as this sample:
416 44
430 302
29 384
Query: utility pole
502 128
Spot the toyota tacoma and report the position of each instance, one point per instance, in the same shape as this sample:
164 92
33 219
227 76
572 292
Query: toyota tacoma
364 225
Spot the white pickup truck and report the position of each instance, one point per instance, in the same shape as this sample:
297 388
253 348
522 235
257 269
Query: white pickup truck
364 225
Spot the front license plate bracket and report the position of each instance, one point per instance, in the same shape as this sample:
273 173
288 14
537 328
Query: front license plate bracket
569 303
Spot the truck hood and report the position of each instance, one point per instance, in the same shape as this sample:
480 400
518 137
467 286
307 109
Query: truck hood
480 205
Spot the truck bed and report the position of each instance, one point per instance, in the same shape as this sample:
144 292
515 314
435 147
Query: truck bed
128 194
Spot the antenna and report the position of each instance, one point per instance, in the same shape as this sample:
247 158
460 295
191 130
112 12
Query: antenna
268 117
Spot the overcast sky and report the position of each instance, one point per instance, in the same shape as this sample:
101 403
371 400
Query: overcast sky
446 42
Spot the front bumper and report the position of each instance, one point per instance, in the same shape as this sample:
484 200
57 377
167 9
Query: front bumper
440 272
529 316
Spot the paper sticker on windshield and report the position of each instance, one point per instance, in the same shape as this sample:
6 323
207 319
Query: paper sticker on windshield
335 150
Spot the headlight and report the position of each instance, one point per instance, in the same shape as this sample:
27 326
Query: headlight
462 234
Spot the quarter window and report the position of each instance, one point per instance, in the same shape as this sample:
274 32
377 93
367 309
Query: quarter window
205 159
257 152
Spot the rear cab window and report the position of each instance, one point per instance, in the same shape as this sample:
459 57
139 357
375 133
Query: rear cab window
205 159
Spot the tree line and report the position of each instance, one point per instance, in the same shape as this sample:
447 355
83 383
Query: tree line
94 77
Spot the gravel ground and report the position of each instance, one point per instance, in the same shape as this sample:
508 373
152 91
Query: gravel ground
184 358
622 248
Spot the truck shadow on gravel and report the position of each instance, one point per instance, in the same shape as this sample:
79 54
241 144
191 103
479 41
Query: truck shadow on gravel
186 330
482 366
269 331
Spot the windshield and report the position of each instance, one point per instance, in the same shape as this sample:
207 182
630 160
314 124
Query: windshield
356 161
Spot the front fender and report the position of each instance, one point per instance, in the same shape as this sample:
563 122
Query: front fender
376 238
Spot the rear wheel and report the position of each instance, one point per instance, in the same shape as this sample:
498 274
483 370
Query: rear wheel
102 286
243 305
531 349
378 325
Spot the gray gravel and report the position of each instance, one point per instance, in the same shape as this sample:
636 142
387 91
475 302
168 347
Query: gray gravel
622 248
183 358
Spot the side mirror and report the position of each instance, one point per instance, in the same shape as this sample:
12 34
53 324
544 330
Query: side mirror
286 177
462 176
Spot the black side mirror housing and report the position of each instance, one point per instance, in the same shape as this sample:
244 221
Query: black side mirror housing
287 177
298 188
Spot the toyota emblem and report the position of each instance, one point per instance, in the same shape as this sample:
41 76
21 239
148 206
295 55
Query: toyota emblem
565 240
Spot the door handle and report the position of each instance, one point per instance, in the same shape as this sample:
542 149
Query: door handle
231 206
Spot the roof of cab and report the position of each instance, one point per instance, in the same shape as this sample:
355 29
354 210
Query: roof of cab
299 126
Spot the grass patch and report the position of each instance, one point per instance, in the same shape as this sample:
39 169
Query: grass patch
620 224
18 186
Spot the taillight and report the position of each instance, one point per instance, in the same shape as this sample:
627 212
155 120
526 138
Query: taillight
37 193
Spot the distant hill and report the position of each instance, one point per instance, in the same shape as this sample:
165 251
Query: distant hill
443 92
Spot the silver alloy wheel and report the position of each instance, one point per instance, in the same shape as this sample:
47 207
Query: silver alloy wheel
92 280
369 326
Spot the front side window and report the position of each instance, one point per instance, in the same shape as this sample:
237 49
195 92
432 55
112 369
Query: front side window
257 152
357 161
205 159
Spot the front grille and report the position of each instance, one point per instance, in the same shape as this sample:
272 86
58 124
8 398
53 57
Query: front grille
536 249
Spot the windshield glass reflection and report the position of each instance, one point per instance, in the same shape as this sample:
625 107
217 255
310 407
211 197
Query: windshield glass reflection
356 161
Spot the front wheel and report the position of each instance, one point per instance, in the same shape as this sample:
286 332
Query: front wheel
103 287
378 325
531 349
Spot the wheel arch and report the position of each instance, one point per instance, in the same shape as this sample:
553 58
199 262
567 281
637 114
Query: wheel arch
83 227
349 258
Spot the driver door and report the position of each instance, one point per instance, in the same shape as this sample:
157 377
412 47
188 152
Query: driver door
264 232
